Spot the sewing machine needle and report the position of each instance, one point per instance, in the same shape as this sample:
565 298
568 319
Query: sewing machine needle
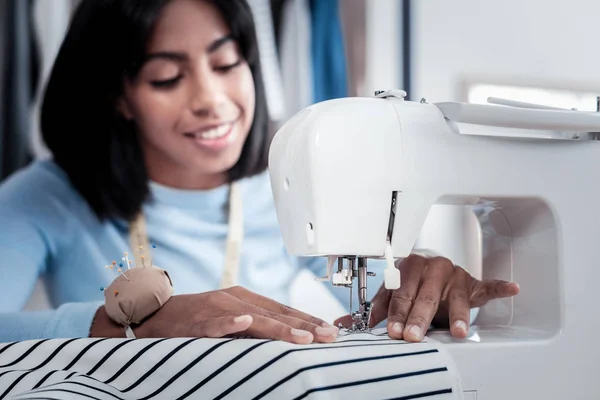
350 311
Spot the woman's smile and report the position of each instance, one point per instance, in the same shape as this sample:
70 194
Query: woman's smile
216 137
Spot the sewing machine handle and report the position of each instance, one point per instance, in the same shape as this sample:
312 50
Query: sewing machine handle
521 117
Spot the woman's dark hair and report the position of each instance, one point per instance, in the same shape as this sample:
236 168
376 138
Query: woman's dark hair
95 145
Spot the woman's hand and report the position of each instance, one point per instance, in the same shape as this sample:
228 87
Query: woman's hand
433 290
229 312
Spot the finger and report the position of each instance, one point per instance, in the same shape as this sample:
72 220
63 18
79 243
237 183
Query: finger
345 321
437 275
273 306
401 300
222 326
459 304
493 289
379 307
268 328
322 334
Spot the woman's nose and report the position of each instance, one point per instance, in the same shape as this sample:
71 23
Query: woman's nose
207 96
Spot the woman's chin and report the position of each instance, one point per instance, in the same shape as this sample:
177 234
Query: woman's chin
218 165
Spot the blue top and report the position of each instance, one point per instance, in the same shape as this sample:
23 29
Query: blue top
47 229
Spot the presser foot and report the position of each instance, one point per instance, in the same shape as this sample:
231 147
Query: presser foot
360 320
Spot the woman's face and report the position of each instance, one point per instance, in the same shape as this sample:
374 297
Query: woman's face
193 100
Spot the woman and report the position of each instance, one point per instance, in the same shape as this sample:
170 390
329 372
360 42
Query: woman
155 116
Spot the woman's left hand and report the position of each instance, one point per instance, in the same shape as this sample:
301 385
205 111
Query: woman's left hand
432 290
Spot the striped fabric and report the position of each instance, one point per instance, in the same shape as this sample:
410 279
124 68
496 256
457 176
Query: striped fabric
357 366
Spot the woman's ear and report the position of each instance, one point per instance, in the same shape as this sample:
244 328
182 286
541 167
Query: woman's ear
124 108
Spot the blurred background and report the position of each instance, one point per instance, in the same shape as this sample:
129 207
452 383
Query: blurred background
540 51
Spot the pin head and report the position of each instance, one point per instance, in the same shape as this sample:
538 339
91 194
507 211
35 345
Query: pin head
153 246
102 289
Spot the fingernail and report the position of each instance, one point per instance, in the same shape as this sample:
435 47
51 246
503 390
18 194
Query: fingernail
242 318
415 331
329 331
326 325
462 325
512 284
397 328
300 333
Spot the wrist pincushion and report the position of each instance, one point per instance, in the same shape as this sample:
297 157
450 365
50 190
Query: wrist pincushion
136 293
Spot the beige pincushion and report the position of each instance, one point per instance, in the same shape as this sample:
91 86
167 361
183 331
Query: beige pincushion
136 294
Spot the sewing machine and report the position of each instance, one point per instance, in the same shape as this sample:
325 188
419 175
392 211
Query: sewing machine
355 178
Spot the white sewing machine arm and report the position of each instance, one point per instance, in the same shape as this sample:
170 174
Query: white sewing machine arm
336 166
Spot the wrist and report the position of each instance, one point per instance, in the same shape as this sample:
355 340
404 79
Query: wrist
104 326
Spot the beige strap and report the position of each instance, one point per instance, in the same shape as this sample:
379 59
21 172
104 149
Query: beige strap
139 237
235 236
129 332
138 241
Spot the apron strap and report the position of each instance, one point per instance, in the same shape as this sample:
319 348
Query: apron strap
138 236
138 241
235 237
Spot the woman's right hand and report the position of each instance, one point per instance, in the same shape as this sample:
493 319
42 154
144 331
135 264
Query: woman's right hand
228 312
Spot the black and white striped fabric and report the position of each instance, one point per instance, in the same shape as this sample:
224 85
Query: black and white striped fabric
357 366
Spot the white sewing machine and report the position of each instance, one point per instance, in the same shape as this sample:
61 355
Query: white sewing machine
353 177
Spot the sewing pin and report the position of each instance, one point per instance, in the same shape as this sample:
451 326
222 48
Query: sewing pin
111 271
123 273
151 260
126 259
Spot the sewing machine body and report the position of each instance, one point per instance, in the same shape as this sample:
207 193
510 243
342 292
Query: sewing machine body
336 166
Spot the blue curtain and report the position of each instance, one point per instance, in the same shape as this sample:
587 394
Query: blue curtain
328 53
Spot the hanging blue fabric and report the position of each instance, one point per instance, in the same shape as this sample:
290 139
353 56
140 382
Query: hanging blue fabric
328 52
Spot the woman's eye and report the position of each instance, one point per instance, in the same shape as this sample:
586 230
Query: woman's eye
166 83
225 68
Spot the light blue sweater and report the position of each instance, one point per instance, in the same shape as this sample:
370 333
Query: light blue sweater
47 229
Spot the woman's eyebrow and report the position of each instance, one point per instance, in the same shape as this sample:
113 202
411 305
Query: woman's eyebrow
214 46
168 55
181 57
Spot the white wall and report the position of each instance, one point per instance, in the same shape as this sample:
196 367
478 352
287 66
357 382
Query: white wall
383 71
545 42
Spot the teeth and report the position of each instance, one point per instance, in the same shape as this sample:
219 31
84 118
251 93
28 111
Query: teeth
216 132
